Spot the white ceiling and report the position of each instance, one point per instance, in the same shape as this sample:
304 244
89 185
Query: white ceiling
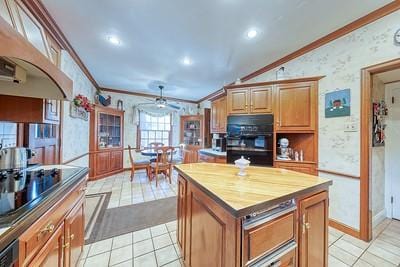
389 76
156 35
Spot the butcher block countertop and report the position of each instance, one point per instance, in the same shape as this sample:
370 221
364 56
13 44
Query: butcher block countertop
261 189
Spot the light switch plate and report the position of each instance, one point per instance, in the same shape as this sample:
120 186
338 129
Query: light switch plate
351 127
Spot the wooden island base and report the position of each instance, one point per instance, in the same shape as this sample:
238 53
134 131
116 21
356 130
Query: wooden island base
224 220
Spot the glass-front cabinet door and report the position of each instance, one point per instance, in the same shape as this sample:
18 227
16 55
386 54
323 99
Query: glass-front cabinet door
192 132
109 132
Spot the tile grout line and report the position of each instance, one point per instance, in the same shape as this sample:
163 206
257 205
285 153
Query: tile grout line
369 245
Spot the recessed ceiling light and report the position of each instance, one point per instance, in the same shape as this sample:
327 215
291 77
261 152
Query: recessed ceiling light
251 34
186 61
114 40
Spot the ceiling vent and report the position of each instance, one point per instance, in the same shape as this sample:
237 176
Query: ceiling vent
11 72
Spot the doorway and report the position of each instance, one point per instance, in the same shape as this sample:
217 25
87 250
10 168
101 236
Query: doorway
379 173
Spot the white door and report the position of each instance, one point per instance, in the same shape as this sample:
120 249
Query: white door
392 150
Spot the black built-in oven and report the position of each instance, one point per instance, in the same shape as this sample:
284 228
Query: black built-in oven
250 136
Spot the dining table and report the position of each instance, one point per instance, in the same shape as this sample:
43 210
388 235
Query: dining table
153 152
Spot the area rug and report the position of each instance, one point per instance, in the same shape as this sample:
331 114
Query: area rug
126 219
95 206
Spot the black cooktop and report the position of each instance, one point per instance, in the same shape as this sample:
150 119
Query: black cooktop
22 190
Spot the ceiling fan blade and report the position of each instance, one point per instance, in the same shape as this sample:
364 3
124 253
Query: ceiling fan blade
141 104
173 106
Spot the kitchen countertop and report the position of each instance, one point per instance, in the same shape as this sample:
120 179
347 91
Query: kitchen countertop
211 152
15 224
261 189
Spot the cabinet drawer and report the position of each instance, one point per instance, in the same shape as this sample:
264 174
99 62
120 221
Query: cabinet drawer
308 168
42 230
283 257
276 232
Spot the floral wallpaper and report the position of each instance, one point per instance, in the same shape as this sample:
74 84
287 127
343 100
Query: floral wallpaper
341 61
75 133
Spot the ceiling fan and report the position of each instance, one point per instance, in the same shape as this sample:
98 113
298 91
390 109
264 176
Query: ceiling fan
161 101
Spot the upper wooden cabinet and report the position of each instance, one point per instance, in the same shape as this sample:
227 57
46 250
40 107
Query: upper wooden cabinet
218 115
296 105
237 101
29 110
256 100
19 17
261 100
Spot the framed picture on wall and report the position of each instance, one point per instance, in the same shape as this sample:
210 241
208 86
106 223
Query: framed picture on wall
337 104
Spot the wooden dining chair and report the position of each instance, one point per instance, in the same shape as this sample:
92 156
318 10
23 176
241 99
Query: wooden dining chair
163 163
138 165
187 156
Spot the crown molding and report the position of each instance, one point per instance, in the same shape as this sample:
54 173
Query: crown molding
213 95
367 19
119 91
40 12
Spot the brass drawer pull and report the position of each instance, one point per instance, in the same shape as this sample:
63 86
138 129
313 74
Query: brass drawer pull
49 228
66 245
72 237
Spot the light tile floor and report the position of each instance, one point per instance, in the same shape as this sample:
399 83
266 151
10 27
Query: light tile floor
156 246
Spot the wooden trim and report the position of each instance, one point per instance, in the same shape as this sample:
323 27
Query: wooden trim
344 228
396 81
213 95
296 80
339 174
365 146
369 18
14 45
119 91
40 12
75 158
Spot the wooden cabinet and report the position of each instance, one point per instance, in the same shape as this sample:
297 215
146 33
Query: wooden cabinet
313 231
116 160
278 232
29 110
19 17
52 110
303 167
218 115
209 235
106 142
51 254
256 100
211 159
296 106
237 101
181 214
195 132
74 235
261 100
57 237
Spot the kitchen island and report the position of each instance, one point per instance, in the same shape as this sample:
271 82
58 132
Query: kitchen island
43 225
270 217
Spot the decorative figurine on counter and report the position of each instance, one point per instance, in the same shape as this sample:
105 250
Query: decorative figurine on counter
284 149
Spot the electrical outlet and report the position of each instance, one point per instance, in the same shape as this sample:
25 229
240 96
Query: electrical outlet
351 127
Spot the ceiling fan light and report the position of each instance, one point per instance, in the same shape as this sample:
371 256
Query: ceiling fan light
161 105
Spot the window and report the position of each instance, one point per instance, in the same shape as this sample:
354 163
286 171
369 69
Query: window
154 129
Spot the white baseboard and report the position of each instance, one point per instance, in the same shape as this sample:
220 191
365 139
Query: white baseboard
378 218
